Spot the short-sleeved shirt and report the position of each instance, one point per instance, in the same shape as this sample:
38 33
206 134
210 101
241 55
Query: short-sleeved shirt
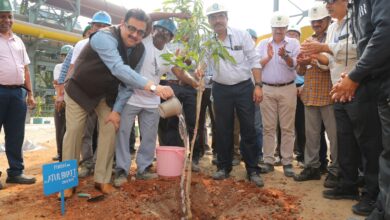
13 59
276 71
57 71
152 68
77 49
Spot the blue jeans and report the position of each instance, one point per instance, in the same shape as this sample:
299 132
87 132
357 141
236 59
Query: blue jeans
228 98
13 110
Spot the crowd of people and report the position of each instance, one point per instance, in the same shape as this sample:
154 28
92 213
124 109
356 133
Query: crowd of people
278 99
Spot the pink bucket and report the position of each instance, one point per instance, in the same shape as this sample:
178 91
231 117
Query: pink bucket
170 161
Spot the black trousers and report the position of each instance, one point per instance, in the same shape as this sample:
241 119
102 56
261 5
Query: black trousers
228 98
359 140
206 104
300 138
187 96
59 122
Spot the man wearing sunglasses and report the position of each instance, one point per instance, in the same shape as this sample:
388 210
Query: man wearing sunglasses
371 30
144 104
105 67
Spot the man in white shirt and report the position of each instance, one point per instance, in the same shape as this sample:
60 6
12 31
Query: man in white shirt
59 115
144 104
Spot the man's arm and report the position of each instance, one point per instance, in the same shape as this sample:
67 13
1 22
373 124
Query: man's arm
124 93
27 83
376 53
65 67
184 76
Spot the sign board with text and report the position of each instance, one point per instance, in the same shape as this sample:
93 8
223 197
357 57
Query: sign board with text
59 176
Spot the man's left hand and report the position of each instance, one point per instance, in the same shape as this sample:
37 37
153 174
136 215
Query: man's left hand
257 94
344 90
114 118
31 102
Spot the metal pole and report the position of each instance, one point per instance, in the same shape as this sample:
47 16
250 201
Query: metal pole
276 5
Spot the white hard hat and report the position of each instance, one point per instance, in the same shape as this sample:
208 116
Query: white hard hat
294 28
215 8
279 20
318 12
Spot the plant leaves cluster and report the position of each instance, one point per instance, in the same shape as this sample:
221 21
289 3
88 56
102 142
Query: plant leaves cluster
195 35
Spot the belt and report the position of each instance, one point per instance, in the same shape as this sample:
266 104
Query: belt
279 84
12 86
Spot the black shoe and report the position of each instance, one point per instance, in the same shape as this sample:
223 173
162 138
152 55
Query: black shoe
308 173
266 168
56 158
339 193
21 179
324 168
288 170
1 185
261 160
331 181
256 179
364 206
220 174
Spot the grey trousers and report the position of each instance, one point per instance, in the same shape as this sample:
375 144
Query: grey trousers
313 117
148 119
87 156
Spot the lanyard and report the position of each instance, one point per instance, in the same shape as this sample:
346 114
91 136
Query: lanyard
339 36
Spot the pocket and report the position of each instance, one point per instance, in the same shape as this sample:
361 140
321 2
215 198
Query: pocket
238 55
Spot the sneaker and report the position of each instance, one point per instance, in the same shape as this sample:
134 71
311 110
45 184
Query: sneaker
145 175
195 166
120 179
309 173
288 170
236 162
85 171
331 181
365 206
220 175
256 179
266 168
339 193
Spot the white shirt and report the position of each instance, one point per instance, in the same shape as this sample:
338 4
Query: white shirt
13 59
77 49
336 39
57 71
152 69
240 45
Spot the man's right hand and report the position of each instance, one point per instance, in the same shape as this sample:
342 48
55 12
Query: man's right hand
164 92
59 103
270 51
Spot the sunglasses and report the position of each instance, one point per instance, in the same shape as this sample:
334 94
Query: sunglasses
133 29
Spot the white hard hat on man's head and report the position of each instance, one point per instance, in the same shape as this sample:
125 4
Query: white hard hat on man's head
318 12
294 28
215 8
279 20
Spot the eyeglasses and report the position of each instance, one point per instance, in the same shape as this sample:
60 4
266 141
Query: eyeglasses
133 29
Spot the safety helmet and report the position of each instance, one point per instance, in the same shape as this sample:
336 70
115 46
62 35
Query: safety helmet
294 28
279 20
215 8
167 24
65 49
101 17
252 32
87 28
6 6
318 12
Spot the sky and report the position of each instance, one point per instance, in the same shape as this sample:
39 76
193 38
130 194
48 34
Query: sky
242 14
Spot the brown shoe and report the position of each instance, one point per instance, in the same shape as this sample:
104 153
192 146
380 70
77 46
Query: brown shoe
67 193
105 188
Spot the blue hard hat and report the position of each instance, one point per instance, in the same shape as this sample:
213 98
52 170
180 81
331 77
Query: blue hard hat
101 17
252 32
167 24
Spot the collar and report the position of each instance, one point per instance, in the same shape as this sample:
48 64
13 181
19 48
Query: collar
12 35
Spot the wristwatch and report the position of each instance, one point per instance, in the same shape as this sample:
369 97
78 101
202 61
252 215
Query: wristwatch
285 56
259 84
153 88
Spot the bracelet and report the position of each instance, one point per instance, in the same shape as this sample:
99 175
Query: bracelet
259 84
